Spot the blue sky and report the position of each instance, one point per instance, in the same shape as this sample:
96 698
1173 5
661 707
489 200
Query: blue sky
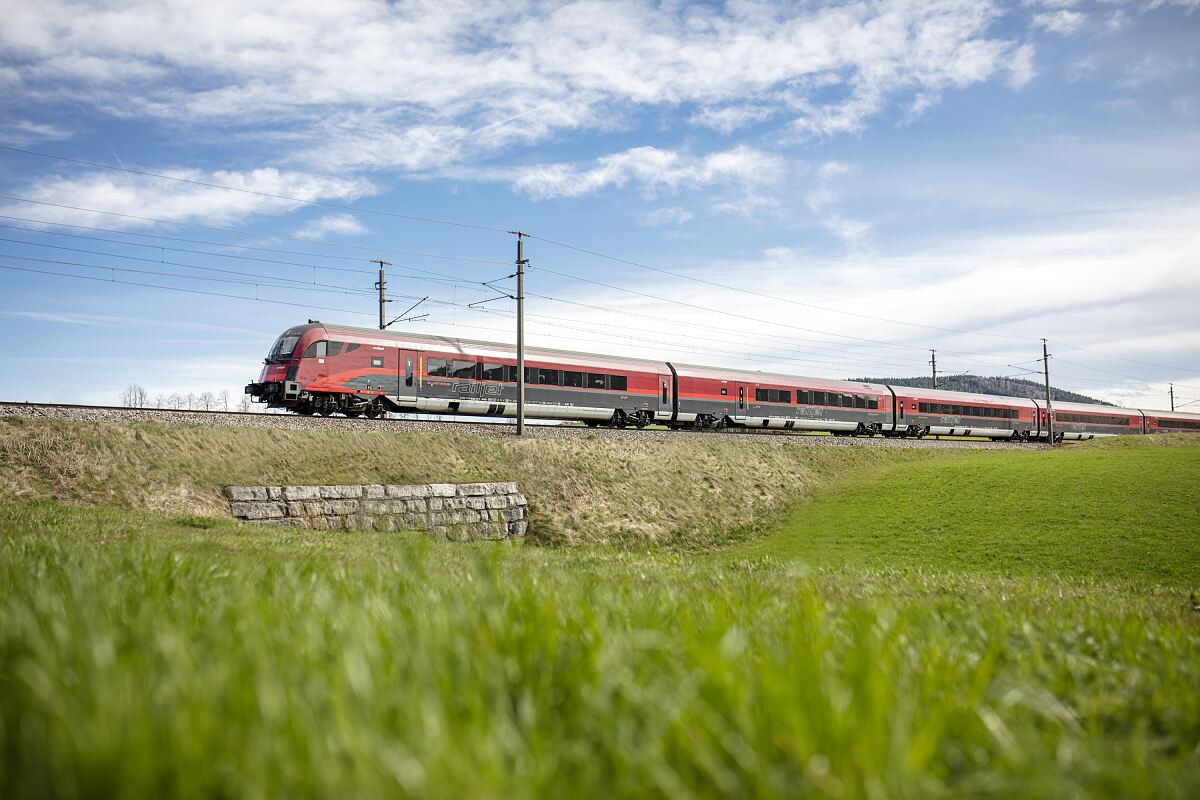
831 188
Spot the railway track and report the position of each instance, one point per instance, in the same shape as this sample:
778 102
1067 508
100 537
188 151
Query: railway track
250 419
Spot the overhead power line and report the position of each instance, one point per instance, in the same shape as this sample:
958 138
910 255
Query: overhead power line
777 298
210 185
327 288
179 289
1118 358
314 267
218 229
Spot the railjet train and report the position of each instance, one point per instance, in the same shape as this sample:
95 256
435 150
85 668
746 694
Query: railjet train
327 369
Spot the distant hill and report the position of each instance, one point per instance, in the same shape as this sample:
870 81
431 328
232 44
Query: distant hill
1006 387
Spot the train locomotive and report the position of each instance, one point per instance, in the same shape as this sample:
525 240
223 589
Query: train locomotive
326 369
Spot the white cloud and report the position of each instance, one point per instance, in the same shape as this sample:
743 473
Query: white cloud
727 119
422 84
653 170
340 224
21 132
671 215
1021 67
143 196
823 201
1063 22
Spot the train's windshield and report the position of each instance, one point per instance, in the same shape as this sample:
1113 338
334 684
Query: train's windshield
283 348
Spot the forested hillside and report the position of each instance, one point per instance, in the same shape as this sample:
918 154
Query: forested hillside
1009 387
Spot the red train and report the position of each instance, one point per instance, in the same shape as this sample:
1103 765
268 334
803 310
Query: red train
327 369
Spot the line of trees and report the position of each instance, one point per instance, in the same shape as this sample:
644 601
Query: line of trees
134 396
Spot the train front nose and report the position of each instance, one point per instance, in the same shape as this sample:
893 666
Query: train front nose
269 386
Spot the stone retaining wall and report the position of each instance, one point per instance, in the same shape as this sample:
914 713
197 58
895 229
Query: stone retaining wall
460 511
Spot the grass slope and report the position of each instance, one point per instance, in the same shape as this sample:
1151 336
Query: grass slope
686 492
143 655
1120 508
145 658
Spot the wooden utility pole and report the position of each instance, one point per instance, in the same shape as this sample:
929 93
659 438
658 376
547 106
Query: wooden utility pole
521 262
933 361
1172 397
1049 411
381 285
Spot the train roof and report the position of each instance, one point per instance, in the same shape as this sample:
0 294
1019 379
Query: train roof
962 397
475 347
1092 408
1170 414
753 376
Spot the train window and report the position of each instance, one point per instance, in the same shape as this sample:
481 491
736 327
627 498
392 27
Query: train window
664 391
1181 424
724 391
572 378
408 372
741 397
804 397
285 346
350 348
510 373
873 403
597 380
317 349
439 368
818 398
1093 419
335 348
618 383
463 369
772 396
549 377
376 361
493 372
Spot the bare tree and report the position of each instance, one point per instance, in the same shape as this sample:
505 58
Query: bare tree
244 403
160 401
191 400
134 396
175 401
207 401
224 398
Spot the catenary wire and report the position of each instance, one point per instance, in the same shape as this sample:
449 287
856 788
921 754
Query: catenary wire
210 185
763 295
237 231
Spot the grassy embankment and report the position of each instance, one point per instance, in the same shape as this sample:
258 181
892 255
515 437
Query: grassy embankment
689 492
146 656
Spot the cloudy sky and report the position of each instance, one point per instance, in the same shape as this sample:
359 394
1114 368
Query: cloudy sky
823 188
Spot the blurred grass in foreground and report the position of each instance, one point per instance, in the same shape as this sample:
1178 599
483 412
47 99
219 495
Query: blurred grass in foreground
141 657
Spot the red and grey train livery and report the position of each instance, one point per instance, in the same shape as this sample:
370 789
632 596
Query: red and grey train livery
325 369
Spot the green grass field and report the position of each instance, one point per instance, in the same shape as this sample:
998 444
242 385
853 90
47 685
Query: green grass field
980 652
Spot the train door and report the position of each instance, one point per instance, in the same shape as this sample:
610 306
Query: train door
407 372
664 399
